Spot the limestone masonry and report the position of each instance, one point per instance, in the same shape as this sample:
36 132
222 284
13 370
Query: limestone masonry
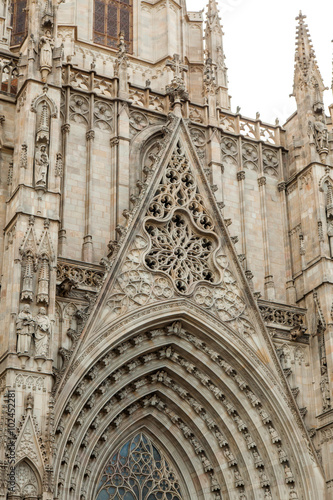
166 263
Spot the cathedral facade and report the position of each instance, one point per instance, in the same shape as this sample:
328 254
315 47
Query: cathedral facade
166 263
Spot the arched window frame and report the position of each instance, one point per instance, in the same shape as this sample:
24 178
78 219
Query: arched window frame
110 18
172 467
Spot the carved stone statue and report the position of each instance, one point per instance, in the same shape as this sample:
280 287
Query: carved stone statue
46 47
288 474
41 165
321 134
42 333
325 392
24 328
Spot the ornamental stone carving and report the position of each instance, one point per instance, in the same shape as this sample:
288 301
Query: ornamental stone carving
178 253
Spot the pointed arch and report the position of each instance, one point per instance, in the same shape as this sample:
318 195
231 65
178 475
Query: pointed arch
141 465
223 411
37 101
28 482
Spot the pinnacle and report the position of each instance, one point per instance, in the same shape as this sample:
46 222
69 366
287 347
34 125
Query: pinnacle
213 13
305 57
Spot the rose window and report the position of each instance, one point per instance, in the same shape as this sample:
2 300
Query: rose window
179 251
138 471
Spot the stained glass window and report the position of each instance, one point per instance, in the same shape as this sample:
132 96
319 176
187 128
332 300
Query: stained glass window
110 18
138 471
19 22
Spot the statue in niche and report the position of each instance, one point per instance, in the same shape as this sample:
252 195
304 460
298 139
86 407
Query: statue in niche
330 234
42 333
325 390
41 165
25 326
321 134
42 145
46 47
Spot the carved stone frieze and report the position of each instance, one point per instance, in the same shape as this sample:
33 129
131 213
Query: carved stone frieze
287 316
84 276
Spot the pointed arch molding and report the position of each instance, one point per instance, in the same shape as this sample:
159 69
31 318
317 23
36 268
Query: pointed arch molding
44 97
230 422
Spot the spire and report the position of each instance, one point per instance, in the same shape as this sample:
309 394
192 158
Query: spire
307 74
215 53
213 19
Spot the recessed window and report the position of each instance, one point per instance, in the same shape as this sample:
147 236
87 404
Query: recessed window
138 471
110 18
19 22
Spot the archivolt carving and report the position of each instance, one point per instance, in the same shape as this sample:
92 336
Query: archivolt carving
163 377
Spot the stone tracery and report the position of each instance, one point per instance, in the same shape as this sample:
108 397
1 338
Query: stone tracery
139 471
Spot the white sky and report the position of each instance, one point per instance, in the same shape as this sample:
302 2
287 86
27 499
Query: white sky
259 45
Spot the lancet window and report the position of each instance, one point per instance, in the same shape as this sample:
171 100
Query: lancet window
112 17
138 471
19 22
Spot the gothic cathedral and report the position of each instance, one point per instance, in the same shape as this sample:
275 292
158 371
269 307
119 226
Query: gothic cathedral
166 263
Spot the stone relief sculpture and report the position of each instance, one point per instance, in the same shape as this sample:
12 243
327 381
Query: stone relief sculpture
25 326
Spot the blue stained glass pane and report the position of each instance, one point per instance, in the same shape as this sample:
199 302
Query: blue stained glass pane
157 456
130 496
103 495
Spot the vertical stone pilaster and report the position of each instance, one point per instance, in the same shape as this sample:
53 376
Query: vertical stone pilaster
62 232
87 247
290 286
242 208
269 282
114 145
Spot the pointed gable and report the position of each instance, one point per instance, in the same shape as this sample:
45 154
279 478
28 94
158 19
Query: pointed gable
27 444
175 247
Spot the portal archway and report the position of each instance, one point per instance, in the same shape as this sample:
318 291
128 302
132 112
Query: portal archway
230 426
